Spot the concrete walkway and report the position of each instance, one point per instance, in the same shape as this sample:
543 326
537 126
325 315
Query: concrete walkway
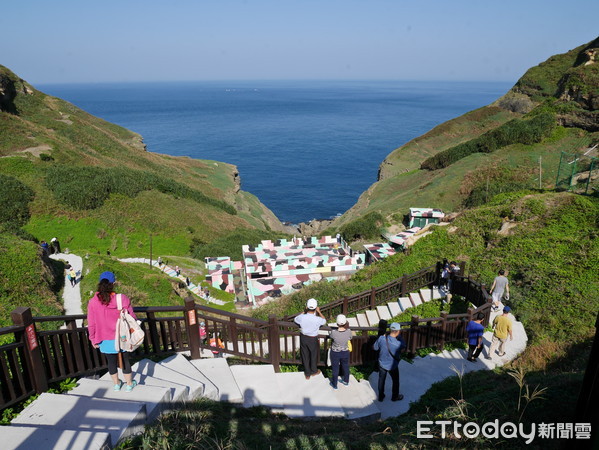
172 273
71 294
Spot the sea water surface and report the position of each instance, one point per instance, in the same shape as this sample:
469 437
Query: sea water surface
307 149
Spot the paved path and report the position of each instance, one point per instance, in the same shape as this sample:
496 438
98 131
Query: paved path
71 294
171 272
417 378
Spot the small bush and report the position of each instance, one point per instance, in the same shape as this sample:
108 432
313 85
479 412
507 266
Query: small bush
14 201
230 245
46 157
367 227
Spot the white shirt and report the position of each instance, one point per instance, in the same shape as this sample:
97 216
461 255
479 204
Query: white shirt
309 324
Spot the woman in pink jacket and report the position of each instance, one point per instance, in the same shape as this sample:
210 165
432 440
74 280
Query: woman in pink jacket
102 314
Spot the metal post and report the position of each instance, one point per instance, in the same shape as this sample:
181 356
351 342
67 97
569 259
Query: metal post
150 249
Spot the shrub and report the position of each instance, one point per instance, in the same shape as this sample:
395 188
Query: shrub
89 187
367 227
230 245
515 131
14 201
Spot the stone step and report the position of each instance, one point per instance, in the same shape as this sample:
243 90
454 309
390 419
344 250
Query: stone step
373 317
160 371
426 295
415 298
183 366
120 418
155 398
308 398
217 370
384 313
178 392
355 401
405 303
353 322
362 320
394 308
17 437
258 386
438 293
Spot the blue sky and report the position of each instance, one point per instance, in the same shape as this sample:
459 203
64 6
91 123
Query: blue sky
146 40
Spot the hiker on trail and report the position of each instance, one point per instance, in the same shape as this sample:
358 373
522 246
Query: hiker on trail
206 293
475 331
310 322
203 332
500 289
390 345
340 350
177 270
217 344
55 245
72 276
445 273
454 270
187 281
45 247
159 261
102 315
502 326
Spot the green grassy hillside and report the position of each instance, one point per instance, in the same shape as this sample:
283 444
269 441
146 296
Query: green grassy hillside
67 174
97 188
554 107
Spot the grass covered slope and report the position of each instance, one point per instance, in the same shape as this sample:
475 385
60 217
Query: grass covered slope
84 169
554 107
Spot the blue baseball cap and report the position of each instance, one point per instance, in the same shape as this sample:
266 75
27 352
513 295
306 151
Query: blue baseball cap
395 326
507 309
108 276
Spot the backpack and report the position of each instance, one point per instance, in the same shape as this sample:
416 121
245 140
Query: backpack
128 333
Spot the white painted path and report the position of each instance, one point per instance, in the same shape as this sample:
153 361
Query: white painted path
71 294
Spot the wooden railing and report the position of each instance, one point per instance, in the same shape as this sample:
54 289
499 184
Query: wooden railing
381 295
36 359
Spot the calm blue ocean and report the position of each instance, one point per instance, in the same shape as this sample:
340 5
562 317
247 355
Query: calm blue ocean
307 149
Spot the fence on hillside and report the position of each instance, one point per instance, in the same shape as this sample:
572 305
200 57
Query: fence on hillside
38 358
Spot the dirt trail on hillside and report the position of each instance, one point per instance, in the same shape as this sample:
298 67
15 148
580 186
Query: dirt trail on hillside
72 294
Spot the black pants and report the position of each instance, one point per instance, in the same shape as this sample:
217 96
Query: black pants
394 378
339 359
309 352
113 358
474 351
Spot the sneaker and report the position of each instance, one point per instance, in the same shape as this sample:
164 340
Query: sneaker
344 383
332 385
130 387
502 354
117 387
318 372
487 357
398 398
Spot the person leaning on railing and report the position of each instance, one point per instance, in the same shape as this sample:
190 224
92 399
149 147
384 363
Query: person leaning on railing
102 315
310 322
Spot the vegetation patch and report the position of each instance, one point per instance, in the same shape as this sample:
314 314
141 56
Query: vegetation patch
89 187
516 131
230 244
366 227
